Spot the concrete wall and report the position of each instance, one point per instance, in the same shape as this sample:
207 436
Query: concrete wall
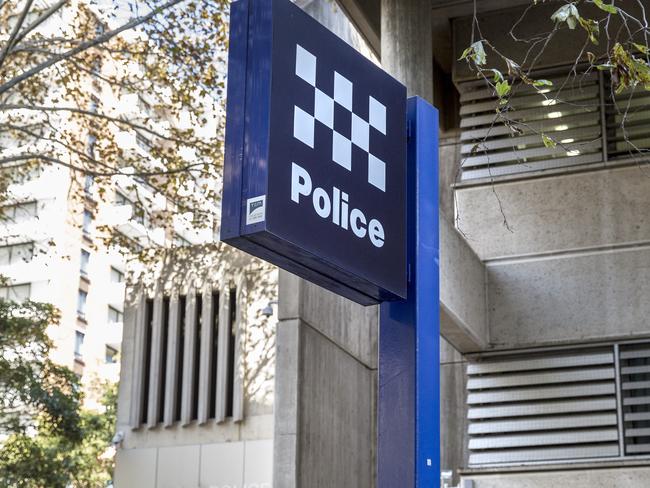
223 465
630 477
575 266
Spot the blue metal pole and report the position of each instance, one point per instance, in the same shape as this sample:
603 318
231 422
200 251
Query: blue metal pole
409 365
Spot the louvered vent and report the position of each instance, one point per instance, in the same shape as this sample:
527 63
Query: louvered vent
635 389
548 407
571 115
626 139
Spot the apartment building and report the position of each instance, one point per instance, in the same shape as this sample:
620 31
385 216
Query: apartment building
56 220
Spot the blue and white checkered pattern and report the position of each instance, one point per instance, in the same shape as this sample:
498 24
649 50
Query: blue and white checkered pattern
304 123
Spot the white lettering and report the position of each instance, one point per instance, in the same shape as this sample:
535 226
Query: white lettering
322 203
359 230
336 206
376 233
300 182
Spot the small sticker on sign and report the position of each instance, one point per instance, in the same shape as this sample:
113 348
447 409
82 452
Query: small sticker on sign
255 210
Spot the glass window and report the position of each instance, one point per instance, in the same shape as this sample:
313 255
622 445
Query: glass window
16 253
111 355
120 199
79 343
88 220
16 293
115 316
19 212
116 276
143 142
85 257
81 303
181 241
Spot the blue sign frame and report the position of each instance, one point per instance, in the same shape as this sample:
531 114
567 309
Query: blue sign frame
315 163
408 415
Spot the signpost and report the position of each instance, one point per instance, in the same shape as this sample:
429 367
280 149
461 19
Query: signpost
316 182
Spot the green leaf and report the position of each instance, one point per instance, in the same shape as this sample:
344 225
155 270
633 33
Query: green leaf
643 49
498 76
591 57
592 28
604 67
607 8
503 88
540 83
567 13
476 53
548 142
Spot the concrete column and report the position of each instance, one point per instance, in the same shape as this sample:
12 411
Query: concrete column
406 44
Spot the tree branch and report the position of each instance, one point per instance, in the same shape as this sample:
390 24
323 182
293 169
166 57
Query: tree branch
44 16
83 46
14 33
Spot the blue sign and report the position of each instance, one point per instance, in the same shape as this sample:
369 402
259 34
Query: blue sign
315 167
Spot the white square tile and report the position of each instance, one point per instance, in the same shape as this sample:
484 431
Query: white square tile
342 150
343 91
377 113
360 132
303 126
376 172
222 464
305 65
258 467
324 109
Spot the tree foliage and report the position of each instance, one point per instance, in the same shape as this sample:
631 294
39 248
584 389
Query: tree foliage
80 80
48 439
615 41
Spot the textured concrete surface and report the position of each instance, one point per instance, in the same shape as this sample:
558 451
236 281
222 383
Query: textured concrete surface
453 418
572 298
404 25
337 416
559 213
593 478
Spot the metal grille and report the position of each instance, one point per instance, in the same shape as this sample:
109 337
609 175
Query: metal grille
186 363
491 149
628 123
635 392
543 408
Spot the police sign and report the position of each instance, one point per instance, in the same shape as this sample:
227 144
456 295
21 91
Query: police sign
315 168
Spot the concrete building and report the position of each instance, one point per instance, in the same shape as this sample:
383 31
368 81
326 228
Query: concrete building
544 278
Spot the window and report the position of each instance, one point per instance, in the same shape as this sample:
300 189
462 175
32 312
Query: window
16 293
19 212
180 241
88 222
81 304
143 142
115 316
78 344
89 181
120 199
116 276
83 267
111 355
16 253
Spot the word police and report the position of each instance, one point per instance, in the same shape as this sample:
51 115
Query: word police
337 207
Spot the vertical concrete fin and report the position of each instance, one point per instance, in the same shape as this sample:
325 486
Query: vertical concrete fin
239 364
205 357
173 352
188 357
222 354
155 363
139 324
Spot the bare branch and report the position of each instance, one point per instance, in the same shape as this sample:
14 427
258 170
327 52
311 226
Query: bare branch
84 46
42 18
14 33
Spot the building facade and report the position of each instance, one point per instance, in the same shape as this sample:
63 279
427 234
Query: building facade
544 275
